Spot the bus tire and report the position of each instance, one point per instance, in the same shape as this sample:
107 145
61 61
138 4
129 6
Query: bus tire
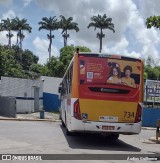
63 124
68 133
114 136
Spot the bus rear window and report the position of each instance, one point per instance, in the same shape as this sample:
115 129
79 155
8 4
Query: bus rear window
95 70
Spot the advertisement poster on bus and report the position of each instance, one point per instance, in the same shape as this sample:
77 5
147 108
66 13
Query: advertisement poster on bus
109 71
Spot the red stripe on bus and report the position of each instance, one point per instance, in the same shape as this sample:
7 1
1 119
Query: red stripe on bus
85 92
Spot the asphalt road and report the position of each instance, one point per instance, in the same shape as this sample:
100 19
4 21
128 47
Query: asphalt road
33 137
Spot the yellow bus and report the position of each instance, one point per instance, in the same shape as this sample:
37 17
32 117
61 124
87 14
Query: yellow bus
102 93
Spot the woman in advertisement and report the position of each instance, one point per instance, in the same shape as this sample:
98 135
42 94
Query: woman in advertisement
115 75
127 80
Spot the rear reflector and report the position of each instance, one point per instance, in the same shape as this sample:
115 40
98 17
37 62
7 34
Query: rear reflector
138 114
76 110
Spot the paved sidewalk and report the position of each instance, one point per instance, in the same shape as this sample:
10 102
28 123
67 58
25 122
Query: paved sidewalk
153 139
34 117
149 128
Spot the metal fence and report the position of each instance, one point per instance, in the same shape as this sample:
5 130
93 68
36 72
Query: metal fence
152 94
8 106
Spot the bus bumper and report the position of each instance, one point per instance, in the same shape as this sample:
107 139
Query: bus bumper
102 127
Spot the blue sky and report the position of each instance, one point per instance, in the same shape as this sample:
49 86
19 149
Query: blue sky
131 37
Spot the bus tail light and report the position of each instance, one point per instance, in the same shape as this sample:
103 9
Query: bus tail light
138 113
76 110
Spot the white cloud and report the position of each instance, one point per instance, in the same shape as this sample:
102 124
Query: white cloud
147 38
3 37
151 51
4 40
26 2
116 9
6 3
10 14
41 46
149 8
129 16
121 48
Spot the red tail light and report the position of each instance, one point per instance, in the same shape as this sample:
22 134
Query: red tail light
138 113
76 110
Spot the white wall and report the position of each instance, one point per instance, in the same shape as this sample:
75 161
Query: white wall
21 88
51 84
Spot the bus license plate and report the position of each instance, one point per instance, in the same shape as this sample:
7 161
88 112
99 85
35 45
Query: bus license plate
108 127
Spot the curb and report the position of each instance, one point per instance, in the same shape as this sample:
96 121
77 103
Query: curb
153 139
50 120
25 119
148 128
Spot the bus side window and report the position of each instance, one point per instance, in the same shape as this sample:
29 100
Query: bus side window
68 82
64 87
70 79
60 88
67 91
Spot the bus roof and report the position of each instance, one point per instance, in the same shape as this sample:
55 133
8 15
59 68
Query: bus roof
103 55
108 55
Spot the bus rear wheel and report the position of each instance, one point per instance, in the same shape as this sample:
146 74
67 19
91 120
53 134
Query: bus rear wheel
68 133
114 136
63 124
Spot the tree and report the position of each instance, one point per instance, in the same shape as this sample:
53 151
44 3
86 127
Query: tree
1 63
12 66
51 64
37 68
21 25
101 22
65 25
7 25
152 73
57 66
153 21
28 58
150 61
66 54
9 66
49 24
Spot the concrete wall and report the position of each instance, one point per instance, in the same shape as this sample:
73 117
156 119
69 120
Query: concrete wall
51 84
150 117
51 100
8 106
23 90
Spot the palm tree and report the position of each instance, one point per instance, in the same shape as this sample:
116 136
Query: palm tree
21 25
153 21
7 25
65 25
101 22
50 24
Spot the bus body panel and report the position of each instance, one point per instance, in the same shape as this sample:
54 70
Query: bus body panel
103 107
75 83
120 93
66 110
90 126
111 111
121 128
